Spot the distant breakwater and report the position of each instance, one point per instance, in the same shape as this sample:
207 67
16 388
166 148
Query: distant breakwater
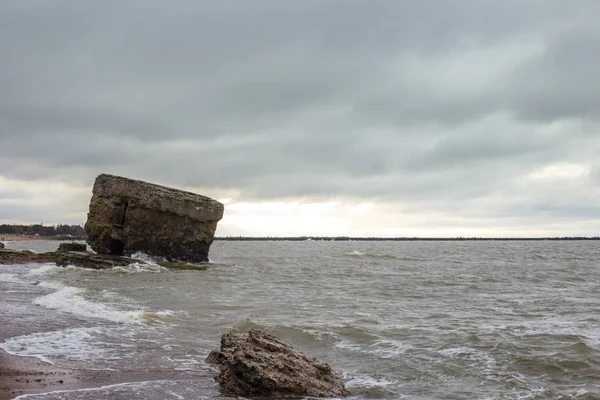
393 239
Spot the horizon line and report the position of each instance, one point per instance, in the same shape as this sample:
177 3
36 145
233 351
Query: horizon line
401 238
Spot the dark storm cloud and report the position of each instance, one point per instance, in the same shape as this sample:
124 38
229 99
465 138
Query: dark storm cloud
441 105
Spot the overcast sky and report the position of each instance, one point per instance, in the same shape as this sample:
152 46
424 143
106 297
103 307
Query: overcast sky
390 118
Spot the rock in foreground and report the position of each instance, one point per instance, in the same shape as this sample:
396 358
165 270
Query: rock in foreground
260 364
127 216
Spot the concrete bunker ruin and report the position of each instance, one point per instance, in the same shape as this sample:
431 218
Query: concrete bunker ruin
127 216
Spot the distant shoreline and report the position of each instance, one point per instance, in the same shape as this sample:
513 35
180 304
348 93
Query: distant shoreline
20 238
392 239
16 238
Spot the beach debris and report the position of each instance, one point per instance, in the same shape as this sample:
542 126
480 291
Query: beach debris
258 363
128 216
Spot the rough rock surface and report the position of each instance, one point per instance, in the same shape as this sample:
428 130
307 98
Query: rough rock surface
260 364
93 261
62 258
71 247
8 256
126 216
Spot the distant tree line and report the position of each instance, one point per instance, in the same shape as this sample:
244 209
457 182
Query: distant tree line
42 230
397 239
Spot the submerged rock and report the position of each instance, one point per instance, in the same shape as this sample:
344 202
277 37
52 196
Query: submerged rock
260 364
93 261
72 247
8 256
127 216
64 257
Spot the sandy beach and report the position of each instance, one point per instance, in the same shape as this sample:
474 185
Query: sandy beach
25 375
28 375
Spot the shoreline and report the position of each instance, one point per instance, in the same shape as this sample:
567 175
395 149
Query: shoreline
28 375
19 238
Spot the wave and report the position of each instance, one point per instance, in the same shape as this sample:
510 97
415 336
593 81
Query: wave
360 254
345 337
148 264
50 268
355 253
139 267
12 278
72 299
247 325
165 389
368 386
389 348
45 346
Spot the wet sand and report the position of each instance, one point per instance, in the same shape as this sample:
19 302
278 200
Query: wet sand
27 375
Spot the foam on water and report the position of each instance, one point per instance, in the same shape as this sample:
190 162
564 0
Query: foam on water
389 348
13 278
356 253
160 389
72 300
398 320
134 268
77 343
45 269
347 345
353 381
105 347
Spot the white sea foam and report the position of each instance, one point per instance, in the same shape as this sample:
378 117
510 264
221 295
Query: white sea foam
106 346
10 278
140 267
74 342
191 363
49 269
389 348
148 264
361 380
470 354
346 345
320 334
70 299
355 253
131 390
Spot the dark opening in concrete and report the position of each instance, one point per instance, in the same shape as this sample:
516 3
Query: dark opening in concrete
122 212
116 247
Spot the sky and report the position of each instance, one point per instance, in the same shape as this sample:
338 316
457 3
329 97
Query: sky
316 117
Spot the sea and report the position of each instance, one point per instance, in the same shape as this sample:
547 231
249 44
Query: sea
397 320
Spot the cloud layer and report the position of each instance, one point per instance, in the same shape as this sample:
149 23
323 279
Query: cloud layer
469 116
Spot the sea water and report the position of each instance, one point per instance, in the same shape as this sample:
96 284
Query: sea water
410 320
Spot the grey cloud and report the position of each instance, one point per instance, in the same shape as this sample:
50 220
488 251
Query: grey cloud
561 82
437 105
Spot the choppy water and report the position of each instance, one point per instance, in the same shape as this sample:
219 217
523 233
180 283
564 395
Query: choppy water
411 320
